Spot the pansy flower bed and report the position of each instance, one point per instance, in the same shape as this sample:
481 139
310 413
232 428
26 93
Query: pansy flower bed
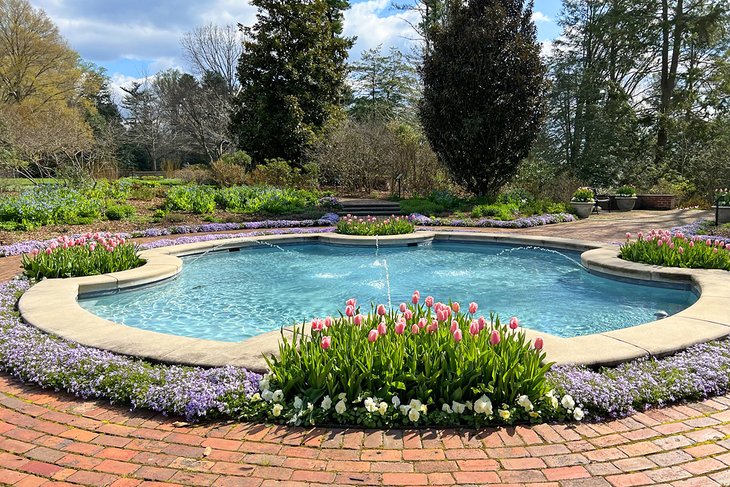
661 247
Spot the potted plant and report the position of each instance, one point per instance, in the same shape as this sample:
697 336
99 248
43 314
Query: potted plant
722 205
583 202
626 198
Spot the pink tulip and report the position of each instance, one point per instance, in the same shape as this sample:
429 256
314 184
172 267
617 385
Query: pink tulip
482 322
54 246
456 307
382 328
415 329
514 323
381 310
454 326
48 251
400 327
441 315
641 235
538 344
350 311
708 242
429 301
438 306
351 302
34 252
414 299
408 314
714 250
628 236
357 320
692 244
417 293
474 328
457 336
422 322
494 338
372 336
326 342
92 247
403 307
328 321
659 243
473 307
681 250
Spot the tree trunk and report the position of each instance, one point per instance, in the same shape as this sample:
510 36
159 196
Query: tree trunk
668 73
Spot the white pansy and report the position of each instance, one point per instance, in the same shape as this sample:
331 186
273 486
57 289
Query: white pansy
310 406
447 409
578 414
414 415
525 403
298 403
504 414
326 403
278 396
567 402
395 400
264 384
370 405
483 405
342 396
340 407
267 395
534 414
403 409
554 402
383 408
256 397
550 393
458 407
414 404
277 409
469 405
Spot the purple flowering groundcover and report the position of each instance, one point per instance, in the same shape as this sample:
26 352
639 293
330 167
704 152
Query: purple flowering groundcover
527 222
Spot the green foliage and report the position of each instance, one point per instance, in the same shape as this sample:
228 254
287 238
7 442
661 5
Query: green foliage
626 191
421 205
499 211
120 211
431 360
722 197
371 226
85 256
583 195
240 199
482 121
661 248
239 158
194 198
292 74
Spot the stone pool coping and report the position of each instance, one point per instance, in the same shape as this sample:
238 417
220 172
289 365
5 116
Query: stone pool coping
52 306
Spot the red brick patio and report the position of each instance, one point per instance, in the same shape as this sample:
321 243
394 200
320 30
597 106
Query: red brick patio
49 438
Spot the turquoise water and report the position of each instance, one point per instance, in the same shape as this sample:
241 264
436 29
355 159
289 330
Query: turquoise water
232 296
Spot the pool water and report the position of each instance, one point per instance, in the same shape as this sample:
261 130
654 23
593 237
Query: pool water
231 296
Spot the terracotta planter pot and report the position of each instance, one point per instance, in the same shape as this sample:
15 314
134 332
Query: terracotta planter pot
626 203
583 208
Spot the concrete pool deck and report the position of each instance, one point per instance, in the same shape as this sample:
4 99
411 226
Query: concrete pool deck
52 305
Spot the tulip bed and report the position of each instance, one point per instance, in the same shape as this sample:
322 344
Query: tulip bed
676 250
372 226
425 363
86 255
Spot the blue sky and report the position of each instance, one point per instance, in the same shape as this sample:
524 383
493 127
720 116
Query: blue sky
136 38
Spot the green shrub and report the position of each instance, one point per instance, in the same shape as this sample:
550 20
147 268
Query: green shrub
626 191
422 206
395 225
238 158
84 256
196 199
120 211
661 248
517 197
429 364
276 172
583 195
498 211
227 174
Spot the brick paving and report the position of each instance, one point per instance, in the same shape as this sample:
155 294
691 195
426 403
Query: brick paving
50 438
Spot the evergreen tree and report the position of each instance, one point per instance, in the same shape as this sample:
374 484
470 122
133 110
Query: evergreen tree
483 86
292 74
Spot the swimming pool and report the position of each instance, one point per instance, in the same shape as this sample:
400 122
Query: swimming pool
231 296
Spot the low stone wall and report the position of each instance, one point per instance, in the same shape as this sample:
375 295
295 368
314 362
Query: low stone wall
657 202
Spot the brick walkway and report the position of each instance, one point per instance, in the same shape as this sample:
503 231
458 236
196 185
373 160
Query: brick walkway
49 438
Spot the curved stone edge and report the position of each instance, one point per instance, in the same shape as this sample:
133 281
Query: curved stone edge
52 305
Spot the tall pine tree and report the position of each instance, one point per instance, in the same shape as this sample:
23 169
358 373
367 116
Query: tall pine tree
292 74
483 88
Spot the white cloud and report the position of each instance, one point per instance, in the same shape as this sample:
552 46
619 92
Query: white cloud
538 17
